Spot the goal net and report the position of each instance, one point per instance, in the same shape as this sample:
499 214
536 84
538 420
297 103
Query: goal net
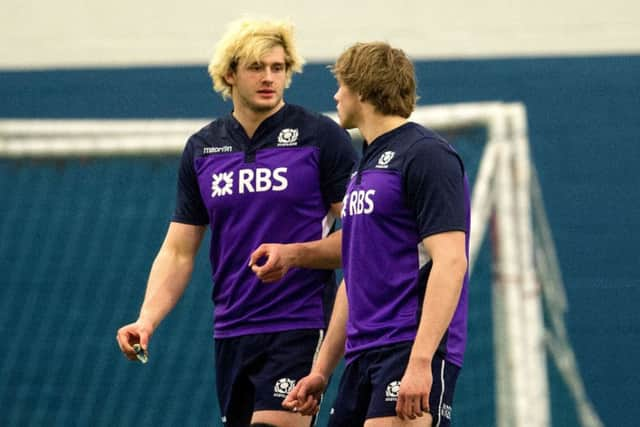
85 203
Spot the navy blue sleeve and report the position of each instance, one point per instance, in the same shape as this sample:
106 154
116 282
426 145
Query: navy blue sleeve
435 188
337 159
189 206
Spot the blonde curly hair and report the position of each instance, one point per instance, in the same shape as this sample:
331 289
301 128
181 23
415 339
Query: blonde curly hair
250 40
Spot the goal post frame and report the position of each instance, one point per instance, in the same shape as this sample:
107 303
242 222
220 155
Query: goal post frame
505 197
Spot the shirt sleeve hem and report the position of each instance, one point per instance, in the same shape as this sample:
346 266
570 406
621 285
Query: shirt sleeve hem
426 234
188 221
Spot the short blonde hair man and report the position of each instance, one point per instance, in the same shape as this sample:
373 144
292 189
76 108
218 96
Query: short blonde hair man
249 40
267 172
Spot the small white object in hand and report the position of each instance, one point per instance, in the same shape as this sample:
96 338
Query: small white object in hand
141 354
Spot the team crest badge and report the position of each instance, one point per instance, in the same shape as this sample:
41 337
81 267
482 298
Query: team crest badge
288 137
391 393
385 158
283 386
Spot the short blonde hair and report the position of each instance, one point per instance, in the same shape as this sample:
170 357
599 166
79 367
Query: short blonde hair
250 40
381 74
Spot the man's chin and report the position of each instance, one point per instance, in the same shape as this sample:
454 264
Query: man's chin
265 106
346 124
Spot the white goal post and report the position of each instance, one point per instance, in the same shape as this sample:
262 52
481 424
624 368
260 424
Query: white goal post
506 195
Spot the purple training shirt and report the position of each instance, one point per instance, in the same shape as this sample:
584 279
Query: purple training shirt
410 184
274 188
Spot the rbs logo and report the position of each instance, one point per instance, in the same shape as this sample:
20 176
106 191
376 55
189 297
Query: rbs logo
358 202
249 181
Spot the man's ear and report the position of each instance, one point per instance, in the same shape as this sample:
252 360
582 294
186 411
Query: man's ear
230 78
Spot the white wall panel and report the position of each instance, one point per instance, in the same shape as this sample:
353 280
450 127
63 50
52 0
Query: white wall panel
118 32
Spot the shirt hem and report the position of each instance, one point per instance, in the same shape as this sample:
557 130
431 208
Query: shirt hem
353 355
266 329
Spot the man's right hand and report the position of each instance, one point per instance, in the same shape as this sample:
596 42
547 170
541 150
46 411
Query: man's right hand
305 396
133 333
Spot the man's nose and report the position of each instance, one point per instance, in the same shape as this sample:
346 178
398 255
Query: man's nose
267 75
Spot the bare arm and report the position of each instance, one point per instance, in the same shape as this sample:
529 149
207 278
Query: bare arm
169 276
447 251
305 397
332 348
324 253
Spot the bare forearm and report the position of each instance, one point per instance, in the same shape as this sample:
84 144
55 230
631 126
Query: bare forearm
332 348
440 302
306 395
168 279
324 253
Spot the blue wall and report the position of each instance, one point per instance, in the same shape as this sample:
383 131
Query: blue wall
584 133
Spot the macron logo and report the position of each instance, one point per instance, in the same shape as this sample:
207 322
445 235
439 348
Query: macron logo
215 150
